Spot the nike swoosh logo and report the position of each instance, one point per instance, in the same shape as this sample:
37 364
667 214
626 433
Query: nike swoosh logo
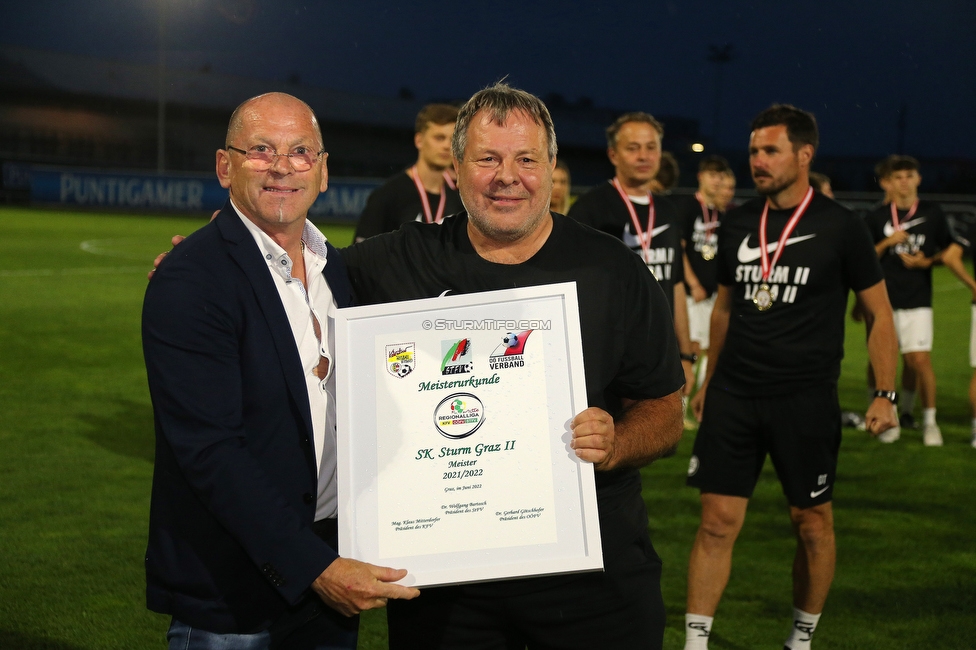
814 495
444 293
700 225
889 229
748 254
631 239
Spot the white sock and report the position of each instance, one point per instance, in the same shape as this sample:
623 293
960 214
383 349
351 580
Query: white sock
974 425
697 629
928 417
906 401
803 626
702 371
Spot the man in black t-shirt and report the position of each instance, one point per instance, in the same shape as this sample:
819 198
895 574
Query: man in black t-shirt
910 236
504 151
961 234
786 263
425 192
700 221
647 223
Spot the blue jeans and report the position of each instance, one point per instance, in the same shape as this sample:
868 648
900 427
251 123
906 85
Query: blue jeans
183 637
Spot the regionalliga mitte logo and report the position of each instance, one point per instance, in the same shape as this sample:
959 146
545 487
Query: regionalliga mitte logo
459 415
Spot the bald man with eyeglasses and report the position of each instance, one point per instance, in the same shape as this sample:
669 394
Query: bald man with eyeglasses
237 335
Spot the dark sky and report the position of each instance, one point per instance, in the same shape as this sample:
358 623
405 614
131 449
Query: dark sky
853 63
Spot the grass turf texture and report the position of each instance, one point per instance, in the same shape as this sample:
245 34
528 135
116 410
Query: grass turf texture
76 464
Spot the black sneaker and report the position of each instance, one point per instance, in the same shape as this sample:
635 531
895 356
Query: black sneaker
907 421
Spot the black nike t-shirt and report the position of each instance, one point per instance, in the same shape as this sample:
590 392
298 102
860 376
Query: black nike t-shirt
928 233
799 340
695 234
629 346
604 209
397 202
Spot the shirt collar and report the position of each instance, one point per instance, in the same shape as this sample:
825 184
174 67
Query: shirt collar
276 257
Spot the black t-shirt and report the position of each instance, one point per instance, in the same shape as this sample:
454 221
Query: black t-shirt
928 232
603 209
694 233
397 202
799 340
629 346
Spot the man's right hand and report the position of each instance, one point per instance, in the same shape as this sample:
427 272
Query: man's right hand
159 258
350 587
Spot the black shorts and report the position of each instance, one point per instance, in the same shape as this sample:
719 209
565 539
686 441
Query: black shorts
800 431
620 608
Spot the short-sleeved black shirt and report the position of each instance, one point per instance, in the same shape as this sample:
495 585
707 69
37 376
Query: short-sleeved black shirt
928 232
397 202
629 346
799 340
693 232
603 209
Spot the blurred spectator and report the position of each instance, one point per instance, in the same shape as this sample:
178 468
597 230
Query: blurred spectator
667 174
561 188
425 192
726 193
821 183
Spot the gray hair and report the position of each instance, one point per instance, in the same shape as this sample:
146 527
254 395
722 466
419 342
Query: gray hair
500 100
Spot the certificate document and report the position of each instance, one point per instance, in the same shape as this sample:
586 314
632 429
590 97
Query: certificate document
453 437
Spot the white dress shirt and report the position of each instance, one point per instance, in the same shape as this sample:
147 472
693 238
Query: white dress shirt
303 304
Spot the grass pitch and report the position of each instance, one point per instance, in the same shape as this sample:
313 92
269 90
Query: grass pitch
76 464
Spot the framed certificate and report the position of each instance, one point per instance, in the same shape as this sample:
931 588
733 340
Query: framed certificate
453 437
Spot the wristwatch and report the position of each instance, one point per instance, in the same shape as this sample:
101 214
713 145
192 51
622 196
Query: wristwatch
889 395
689 357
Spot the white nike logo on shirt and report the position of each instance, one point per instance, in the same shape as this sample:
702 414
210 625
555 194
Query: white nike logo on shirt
814 495
748 254
889 229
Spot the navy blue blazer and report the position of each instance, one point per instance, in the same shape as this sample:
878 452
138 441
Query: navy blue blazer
233 496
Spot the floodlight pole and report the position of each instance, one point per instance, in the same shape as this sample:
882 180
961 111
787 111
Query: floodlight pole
719 55
161 108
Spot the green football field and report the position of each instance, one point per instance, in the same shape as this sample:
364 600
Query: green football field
76 448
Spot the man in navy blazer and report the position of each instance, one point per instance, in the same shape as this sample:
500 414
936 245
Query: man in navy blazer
242 538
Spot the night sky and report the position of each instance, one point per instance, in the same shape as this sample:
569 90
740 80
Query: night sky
854 64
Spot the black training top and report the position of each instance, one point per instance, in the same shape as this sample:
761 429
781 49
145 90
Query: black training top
799 340
604 209
928 233
694 233
397 202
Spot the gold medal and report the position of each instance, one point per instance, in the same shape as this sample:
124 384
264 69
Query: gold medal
707 252
763 298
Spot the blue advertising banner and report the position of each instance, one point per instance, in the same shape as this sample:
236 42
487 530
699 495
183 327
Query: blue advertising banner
344 200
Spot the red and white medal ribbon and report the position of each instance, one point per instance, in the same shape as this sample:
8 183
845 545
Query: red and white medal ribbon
709 217
767 266
894 214
429 217
643 237
450 181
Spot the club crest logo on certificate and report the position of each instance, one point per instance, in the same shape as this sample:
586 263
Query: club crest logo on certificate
453 437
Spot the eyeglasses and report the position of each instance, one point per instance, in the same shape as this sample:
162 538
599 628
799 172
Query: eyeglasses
262 157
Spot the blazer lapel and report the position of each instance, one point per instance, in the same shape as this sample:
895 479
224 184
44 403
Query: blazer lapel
245 252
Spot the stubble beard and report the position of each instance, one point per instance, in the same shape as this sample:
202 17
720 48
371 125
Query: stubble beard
495 233
775 188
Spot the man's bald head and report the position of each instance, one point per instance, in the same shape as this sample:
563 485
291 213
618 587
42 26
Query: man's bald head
251 107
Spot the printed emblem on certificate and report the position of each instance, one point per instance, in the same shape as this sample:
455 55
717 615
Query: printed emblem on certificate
453 437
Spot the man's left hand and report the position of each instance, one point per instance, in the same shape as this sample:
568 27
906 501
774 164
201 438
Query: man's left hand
593 437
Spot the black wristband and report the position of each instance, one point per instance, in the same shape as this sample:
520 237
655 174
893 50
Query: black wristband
689 357
889 395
